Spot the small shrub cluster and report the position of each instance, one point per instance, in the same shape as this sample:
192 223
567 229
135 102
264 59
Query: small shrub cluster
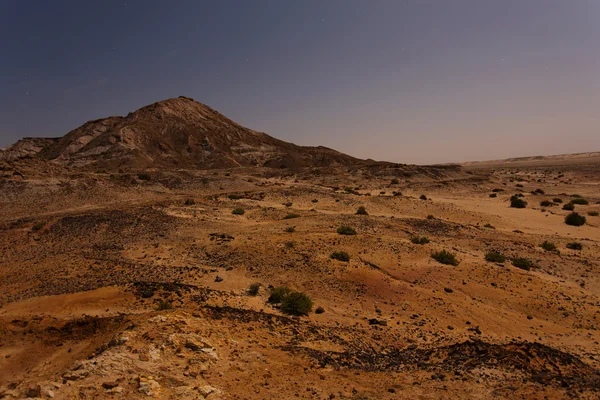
574 246
164 305
253 289
445 257
569 207
238 211
580 201
346 230
546 203
494 256
574 219
340 256
423 197
362 211
516 202
557 200
290 229
291 216
593 213
419 239
294 303
522 263
395 181
548 246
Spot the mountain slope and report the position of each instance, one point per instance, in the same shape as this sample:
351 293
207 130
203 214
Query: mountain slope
177 133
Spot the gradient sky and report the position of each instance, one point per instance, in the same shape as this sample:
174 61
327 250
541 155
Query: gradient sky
415 81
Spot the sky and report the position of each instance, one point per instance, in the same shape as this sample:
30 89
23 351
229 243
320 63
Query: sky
415 81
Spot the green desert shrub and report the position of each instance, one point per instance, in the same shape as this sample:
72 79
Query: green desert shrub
497 190
278 294
569 207
430 216
493 195
189 202
238 211
38 226
494 256
362 211
574 246
519 185
522 263
419 239
395 181
574 219
319 310
291 216
546 203
580 201
423 197
516 202
593 213
445 257
164 305
297 303
253 289
340 256
346 230
548 246
539 191
557 200
290 229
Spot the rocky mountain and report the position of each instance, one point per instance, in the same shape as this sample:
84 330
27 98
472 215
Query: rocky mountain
174 133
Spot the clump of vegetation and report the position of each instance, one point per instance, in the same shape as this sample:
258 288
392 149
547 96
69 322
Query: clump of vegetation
297 303
289 244
580 201
519 185
290 229
253 289
395 181
516 202
189 202
490 226
522 263
430 216
569 207
493 195
38 226
494 256
362 211
445 257
419 239
593 213
288 204
164 305
574 246
278 294
238 211
314 201
557 200
574 219
546 203
144 177
346 230
340 256
548 246
423 197
234 196
539 191
291 216
319 310
497 190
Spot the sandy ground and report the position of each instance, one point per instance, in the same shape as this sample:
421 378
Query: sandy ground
84 271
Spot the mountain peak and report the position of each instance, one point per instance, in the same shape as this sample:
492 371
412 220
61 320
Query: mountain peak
177 132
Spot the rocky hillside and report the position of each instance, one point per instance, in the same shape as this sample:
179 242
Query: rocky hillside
177 133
